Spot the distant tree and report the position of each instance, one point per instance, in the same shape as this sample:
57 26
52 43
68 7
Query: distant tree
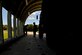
37 27
30 27
5 27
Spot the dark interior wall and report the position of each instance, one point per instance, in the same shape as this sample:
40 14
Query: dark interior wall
59 21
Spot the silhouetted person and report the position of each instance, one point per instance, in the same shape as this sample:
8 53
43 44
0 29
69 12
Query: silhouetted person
25 30
34 29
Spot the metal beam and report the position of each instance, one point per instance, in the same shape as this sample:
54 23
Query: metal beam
1 24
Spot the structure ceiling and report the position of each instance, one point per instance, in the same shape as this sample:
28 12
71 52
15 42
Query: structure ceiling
21 8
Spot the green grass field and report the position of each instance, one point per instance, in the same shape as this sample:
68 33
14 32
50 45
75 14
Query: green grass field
5 32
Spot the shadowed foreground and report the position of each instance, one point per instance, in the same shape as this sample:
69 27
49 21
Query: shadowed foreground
29 45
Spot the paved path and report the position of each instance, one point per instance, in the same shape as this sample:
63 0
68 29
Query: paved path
29 45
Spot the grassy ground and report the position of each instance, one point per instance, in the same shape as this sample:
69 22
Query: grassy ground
5 32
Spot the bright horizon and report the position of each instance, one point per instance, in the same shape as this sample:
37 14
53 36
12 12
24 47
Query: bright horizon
30 19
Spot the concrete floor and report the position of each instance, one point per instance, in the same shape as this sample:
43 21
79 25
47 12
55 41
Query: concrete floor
29 45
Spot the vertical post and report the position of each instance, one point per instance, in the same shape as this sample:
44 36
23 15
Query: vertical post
1 24
14 25
41 27
21 28
9 25
17 27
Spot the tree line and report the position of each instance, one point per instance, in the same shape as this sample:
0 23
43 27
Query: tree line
29 27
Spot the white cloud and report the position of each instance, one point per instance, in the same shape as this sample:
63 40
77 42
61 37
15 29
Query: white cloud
32 18
33 15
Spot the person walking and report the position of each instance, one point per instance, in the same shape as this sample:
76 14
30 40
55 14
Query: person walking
25 29
34 29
